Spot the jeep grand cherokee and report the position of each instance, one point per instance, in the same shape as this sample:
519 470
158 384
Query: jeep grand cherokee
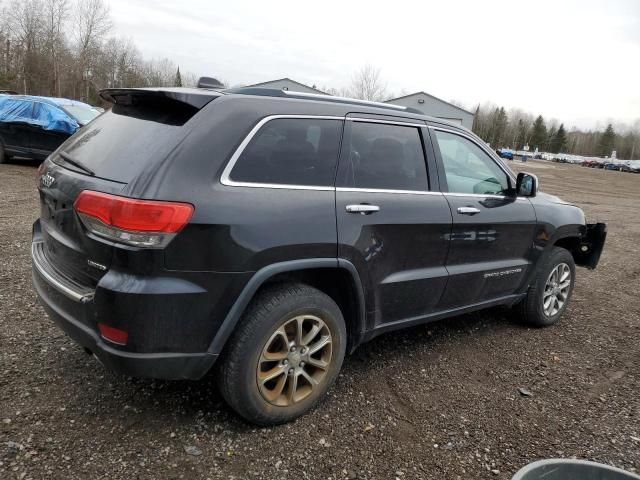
270 232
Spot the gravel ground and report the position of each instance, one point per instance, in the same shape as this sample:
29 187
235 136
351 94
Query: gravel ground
439 401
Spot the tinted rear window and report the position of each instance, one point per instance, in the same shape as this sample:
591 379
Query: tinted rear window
290 151
118 144
388 157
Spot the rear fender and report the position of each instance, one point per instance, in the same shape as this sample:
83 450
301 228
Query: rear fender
263 275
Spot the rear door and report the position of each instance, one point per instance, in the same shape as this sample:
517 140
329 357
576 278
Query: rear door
392 221
492 236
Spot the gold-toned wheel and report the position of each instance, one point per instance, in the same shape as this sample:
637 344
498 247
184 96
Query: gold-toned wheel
295 360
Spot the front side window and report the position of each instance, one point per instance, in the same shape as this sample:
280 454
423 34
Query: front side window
291 151
385 156
468 168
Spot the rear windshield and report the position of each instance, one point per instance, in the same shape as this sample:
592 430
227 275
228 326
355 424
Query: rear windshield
121 142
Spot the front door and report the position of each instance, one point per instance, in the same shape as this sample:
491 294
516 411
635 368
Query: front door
492 236
391 225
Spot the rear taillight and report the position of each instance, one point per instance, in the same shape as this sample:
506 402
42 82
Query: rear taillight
141 223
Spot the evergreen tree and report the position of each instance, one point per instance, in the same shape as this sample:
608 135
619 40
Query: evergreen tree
559 141
607 140
521 138
178 80
551 134
538 134
501 127
475 128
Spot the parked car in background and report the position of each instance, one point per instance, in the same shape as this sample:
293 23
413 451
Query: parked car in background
8 92
505 153
33 127
615 165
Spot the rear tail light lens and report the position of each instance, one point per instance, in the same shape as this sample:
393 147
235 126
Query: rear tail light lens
140 223
113 335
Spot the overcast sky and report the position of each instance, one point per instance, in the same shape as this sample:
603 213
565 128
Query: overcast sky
577 61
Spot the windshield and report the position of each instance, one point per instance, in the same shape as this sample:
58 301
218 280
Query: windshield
83 115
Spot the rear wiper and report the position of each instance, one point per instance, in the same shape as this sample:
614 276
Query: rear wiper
69 159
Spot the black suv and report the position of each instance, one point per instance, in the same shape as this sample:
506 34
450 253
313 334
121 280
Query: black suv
274 231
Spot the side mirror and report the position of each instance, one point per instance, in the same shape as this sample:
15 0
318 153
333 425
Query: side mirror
526 185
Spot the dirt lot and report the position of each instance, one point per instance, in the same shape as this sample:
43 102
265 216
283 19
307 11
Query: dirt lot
439 401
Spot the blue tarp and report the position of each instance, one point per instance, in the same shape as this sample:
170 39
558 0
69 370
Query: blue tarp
36 113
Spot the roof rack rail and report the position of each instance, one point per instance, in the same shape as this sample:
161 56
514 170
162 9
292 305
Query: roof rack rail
272 92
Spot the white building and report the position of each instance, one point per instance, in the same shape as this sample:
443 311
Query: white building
434 107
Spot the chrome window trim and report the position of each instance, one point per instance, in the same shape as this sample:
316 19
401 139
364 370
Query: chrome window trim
384 190
482 147
225 177
388 122
479 195
280 186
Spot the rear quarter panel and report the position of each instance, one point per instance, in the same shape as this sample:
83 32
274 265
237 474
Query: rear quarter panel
234 228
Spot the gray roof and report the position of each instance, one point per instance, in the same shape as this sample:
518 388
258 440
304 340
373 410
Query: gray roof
429 95
288 80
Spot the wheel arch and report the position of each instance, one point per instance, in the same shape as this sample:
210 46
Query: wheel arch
329 275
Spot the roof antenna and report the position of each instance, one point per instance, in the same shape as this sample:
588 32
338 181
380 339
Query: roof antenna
209 82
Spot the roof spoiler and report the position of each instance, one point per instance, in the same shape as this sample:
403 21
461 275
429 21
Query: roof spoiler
194 97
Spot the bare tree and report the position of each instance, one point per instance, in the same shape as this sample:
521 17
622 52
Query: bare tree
92 22
26 26
367 85
55 13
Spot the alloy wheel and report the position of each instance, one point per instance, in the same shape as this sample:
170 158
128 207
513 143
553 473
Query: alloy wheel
556 290
295 360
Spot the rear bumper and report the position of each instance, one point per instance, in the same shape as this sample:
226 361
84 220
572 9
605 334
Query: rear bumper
147 365
73 308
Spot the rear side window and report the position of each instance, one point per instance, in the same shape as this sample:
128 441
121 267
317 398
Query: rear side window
383 156
291 151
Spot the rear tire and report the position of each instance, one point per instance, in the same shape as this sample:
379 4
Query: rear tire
284 355
549 295
3 155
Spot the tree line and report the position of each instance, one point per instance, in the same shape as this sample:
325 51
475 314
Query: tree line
64 48
516 128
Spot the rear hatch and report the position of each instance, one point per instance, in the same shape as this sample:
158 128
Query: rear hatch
139 131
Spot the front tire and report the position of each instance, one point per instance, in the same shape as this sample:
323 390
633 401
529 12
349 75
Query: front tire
549 295
285 354
3 155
